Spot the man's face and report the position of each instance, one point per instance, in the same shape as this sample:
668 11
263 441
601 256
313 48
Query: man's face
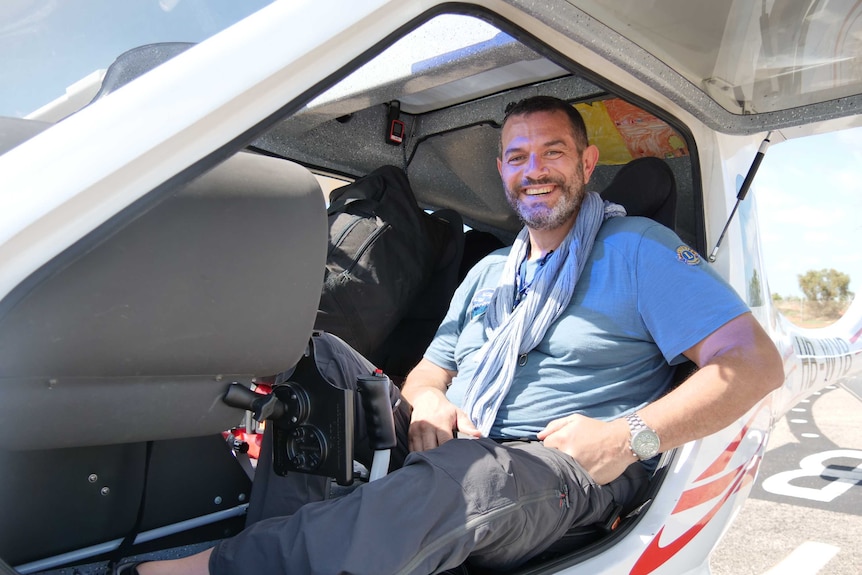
543 172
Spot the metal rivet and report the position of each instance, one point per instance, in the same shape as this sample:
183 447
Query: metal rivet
105 490
217 500
241 497
93 478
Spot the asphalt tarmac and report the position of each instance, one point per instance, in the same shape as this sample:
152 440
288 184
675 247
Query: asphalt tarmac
804 516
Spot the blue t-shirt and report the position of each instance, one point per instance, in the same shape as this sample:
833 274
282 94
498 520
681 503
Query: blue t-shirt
643 299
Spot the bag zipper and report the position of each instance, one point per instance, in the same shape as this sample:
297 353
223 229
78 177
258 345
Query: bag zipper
365 245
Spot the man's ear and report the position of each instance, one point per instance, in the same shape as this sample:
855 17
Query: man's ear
500 167
590 158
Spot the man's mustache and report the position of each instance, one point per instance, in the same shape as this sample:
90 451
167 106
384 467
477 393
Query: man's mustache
540 182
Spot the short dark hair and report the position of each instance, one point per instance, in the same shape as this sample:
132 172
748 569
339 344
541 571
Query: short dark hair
550 104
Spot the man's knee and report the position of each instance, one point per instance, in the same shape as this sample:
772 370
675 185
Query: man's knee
337 362
480 466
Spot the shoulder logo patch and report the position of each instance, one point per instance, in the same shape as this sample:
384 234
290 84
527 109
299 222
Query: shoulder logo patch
687 255
480 301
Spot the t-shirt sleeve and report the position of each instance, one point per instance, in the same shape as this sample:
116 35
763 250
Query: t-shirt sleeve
441 351
681 299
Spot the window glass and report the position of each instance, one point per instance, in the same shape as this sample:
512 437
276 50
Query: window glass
809 207
751 57
54 50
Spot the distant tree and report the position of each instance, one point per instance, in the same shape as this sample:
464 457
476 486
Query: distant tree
754 297
777 297
824 286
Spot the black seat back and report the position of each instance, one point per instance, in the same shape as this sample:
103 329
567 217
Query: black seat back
645 187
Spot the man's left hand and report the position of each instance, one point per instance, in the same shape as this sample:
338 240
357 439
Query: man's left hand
600 447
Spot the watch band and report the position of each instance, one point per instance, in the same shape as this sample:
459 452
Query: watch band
635 423
640 431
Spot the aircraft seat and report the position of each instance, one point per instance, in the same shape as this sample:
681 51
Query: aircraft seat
214 280
645 187
115 355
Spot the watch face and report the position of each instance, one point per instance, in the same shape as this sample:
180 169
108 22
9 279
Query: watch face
645 443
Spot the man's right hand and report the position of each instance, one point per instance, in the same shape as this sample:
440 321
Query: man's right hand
435 419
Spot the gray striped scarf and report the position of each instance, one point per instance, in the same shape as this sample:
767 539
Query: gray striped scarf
512 333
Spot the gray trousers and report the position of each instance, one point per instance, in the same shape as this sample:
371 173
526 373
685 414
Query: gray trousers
497 503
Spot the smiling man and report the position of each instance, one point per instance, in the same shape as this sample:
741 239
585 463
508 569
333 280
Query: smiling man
534 167
544 398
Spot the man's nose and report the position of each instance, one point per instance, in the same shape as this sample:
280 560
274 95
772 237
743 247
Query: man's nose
535 166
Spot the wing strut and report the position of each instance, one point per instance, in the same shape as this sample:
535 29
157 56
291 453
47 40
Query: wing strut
743 191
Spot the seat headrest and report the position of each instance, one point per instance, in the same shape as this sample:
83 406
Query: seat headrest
645 187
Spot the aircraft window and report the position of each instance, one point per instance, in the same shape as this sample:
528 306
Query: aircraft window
808 207
437 51
55 53
751 57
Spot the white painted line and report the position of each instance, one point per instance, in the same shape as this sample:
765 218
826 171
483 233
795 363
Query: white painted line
807 559
810 435
798 421
799 410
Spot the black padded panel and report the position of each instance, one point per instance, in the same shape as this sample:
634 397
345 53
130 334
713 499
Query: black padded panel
60 500
221 277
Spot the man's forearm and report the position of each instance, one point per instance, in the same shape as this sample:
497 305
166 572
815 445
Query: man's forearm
426 376
734 376
434 420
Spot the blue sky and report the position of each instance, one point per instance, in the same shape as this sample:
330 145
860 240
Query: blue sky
809 204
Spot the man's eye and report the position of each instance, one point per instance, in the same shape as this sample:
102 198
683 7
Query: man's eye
516 159
553 154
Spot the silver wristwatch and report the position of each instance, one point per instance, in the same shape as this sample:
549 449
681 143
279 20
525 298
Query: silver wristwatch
645 443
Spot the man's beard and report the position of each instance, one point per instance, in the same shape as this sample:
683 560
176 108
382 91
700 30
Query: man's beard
539 216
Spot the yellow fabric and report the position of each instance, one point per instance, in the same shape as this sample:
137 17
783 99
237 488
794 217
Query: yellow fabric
623 132
603 133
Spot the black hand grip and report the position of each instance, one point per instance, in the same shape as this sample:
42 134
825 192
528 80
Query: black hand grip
262 406
374 390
